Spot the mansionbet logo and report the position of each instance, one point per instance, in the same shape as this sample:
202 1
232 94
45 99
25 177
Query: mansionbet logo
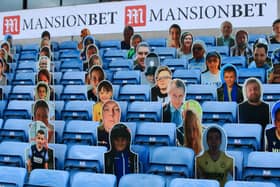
11 25
135 15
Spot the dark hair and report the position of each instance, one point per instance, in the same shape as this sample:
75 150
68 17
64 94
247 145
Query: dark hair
176 26
120 130
261 45
46 34
105 85
99 69
229 69
162 68
42 85
47 50
275 22
241 32
39 104
46 73
128 27
40 131
214 130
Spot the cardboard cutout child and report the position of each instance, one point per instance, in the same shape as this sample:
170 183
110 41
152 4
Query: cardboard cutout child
42 91
120 160
214 163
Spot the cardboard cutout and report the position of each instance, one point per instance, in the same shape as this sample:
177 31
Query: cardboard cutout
152 61
43 63
42 91
213 162
94 76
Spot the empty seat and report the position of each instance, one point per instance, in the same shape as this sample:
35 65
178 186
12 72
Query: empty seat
24 79
30 47
110 44
237 61
141 180
3 104
155 134
127 77
6 90
15 130
13 153
116 91
164 162
45 177
238 163
202 93
123 105
175 64
22 92
12 176
85 158
69 55
121 64
222 50
87 179
28 56
156 42
165 52
59 106
74 92
271 92
209 40
114 54
80 132
143 157
249 184
73 78
73 110
252 38
58 90
71 65
68 45
219 112
18 109
188 76
134 93
26 67
194 183
144 111
60 154
245 73
263 166
59 128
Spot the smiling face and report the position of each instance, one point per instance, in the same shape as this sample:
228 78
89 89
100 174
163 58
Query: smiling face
188 40
40 139
42 92
213 64
198 51
141 55
229 77
111 114
163 80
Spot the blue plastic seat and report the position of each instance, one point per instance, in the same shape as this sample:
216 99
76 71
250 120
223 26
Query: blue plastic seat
15 130
68 45
222 50
132 129
271 92
121 64
243 137
71 65
24 79
74 92
179 182
6 90
12 176
141 180
74 111
69 55
155 134
18 109
45 177
175 64
13 153
58 89
237 61
22 92
75 77
85 158
87 179
263 166
30 47
123 105
143 157
144 111
59 128
57 77
60 155
164 162
165 52
135 93
249 184
238 163
156 42
3 105
110 44
29 56
127 77
26 67
59 106
201 93
245 73
191 76
252 38
209 40
80 132
271 48
116 91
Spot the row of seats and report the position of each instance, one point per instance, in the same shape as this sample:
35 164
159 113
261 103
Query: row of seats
161 161
213 111
58 178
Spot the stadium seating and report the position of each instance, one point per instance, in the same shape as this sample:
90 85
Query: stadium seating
116 91
248 184
245 73
156 42
80 132
22 92
201 92
15 130
12 176
155 134
188 76
144 111
74 92
71 65
237 61
219 112
58 89
172 162
271 92
238 163
74 111
45 177
123 105
74 77
252 38
29 66
263 166
175 64
127 77
85 158
209 40
68 45
134 93
87 179
222 50
121 64
3 104
13 153
6 90
141 180
165 52
69 55
110 44
143 157
59 106
18 109
60 154
24 79
179 182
